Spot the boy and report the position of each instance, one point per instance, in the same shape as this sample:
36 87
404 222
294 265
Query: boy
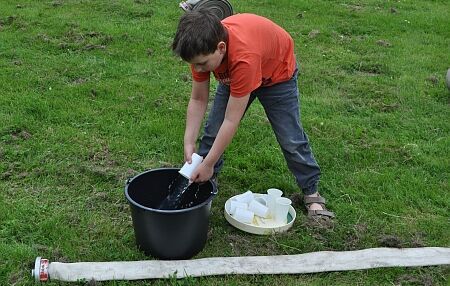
251 57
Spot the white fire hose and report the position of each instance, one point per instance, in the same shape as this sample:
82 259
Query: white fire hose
323 261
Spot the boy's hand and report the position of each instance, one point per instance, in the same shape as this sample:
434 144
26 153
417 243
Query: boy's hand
188 150
202 173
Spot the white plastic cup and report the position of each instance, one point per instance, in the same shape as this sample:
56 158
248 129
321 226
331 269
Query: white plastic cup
187 169
243 215
282 206
272 195
246 197
235 204
258 208
261 199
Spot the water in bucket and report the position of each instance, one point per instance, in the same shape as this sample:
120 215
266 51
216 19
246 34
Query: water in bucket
181 185
176 190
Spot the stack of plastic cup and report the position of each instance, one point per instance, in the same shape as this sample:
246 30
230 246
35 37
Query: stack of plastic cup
246 206
239 207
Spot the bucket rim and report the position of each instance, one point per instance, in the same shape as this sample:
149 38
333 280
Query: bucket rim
131 201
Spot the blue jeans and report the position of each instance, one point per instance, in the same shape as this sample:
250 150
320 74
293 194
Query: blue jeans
281 105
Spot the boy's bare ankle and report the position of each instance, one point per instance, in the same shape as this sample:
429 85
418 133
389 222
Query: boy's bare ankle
314 206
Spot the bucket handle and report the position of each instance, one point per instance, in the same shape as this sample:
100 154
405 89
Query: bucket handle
215 190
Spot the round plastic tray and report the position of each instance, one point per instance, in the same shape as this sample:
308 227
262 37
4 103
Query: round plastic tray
260 225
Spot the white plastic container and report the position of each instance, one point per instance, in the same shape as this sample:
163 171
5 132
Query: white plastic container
282 206
246 197
236 204
187 169
259 209
272 195
243 215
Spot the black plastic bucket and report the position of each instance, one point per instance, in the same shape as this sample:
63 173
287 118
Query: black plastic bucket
168 234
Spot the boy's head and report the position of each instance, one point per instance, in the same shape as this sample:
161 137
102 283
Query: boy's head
200 40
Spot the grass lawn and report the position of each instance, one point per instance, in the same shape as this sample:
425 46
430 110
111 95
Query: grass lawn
91 95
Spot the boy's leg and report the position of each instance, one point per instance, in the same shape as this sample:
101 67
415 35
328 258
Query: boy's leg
281 105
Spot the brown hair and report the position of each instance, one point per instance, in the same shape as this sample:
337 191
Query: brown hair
198 33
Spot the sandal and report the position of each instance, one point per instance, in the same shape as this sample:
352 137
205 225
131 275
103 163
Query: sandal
308 201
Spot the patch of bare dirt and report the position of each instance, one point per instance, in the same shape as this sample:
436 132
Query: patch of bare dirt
354 236
186 77
53 254
8 21
369 69
93 93
158 102
105 174
297 200
102 157
94 47
56 3
433 79
417 240
6 175
128 173
390 241
122 206
383 107
20 277
12 169
383 43
21 134
22 175
164 164
410 279
93 282
77 40
242 246
313 34
73 219
79 80
320 223
354 7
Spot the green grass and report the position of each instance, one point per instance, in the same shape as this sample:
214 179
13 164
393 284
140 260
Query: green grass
91 95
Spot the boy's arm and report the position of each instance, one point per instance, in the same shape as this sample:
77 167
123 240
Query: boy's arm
235 110
195 112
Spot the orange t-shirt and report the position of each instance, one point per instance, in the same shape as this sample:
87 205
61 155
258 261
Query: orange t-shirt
259 53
